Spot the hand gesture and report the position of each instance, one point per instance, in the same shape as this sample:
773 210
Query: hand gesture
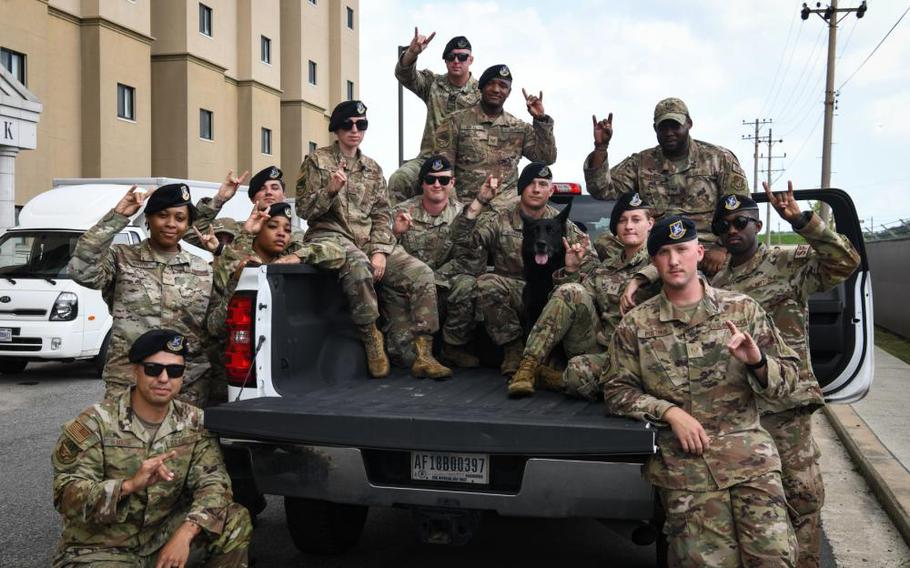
688 430
535 104
403 222
208 240
784 203
338 179
627 300
420 42
742 346
258 216
229 187
603 130
378 261
575 253
130 203
489 190
150 472
251 260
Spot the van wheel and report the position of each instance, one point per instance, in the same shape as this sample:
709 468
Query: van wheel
12 366
321 527
101 358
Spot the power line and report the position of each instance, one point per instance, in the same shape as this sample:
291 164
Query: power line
801 86
780 85
868 57
801 148
780 62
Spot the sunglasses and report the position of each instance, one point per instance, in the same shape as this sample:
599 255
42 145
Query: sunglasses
462 57
443 180
739 223
360 124
154 370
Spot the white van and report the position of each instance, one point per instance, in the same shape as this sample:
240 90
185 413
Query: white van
44 314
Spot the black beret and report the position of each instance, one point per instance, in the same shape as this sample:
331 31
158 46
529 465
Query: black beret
626 202
156 340
344 111
671 230
171 195
283 209
457 42
434 164
499 71
731 203
269 173
531 172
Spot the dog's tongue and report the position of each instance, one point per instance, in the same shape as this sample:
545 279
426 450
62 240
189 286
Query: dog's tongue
541 258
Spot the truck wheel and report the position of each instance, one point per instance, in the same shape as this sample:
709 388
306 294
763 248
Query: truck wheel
12 366
321 527
101 358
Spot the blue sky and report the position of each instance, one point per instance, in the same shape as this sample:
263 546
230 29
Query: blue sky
729 60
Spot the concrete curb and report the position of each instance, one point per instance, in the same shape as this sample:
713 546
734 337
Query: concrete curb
887 477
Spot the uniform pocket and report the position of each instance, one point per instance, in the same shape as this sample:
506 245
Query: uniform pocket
664 362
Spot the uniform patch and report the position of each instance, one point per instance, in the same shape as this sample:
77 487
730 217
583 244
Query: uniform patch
802 251
462 44
436 165
185 192
504 71
635 201
175 344
77 432
544 172
67 451
361 108
731 202
274 173
693 350
677 230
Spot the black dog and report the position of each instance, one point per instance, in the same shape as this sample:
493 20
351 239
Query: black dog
542 253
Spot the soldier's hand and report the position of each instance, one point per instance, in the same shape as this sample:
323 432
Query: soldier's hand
627 300
715 259
258 216
489 190
575 253
688 430
742 346
208 240
535 104
378 261
288 259
229 186
150 472
403 223
338 178
603 130
176 552
419 42
130 203
784 203
250 260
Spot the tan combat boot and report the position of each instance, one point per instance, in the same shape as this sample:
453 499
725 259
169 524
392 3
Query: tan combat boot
522 383
459 356
550 379
425 365
377 361
511 357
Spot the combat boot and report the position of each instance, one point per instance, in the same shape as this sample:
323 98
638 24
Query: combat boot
425 365
522 383
377 361
550 379
458 356
511 357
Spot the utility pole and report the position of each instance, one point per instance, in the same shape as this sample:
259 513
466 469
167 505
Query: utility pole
401 50
756 140
830 16
771 142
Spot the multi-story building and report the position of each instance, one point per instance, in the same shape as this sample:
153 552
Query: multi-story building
177 88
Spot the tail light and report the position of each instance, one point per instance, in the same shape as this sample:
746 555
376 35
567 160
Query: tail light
239 365
562 188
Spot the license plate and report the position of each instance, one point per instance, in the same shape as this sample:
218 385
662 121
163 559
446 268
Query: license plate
455 468
6 334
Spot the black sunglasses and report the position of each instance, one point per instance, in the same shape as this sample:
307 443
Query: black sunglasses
431 179
459 56
739 223
154 370
360 124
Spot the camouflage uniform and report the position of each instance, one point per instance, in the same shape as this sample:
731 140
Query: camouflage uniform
499 293
104 446
442 99
781 279
691 188
479 145
358 220
144 290
663 356
429 240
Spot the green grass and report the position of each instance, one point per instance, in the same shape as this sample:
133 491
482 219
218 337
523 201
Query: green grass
784 239
893 344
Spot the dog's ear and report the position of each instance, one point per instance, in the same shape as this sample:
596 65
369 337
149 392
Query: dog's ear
564 214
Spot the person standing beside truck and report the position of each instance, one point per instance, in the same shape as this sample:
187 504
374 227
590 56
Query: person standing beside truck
149 285
693 361
781 279
343 196
443 94
679 176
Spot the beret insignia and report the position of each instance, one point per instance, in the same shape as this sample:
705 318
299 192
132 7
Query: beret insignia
274 173
437 165
185 192
462 44
731 202
677 230
635 201
504 71
175 344
544 172
360 108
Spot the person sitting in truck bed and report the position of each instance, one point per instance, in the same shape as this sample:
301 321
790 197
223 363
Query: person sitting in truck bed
343 196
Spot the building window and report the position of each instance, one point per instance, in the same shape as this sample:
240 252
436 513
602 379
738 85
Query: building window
205 20
206 124
350 90
312 147
267 141
14 63
313 2
350 18
265 45
312 69
126 102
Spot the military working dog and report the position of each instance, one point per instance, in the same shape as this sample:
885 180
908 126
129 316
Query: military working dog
542 253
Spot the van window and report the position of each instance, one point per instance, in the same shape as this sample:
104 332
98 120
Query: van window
40 254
